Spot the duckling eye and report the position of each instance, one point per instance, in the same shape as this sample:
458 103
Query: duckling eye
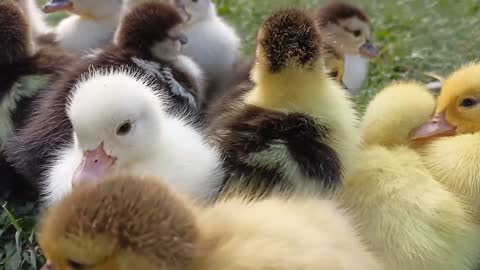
124 129
75 266
357 33
469 102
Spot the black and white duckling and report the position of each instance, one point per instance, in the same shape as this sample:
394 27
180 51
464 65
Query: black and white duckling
91 25
296 127
129 222
26 70
346 32
212 43
50 130
120 123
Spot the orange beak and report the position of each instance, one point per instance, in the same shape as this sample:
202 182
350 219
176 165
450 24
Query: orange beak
436 127
95 164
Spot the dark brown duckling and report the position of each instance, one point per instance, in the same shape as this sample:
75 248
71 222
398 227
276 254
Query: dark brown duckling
26 71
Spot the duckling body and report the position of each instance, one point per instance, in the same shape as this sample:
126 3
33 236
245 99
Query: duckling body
91 25
277 135
49 130
213 44
313 234
406 217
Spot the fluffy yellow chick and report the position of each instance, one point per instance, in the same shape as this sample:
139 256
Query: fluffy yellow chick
450 140
124 223
394 112
408 218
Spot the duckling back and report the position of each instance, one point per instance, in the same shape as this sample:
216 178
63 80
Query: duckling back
281 233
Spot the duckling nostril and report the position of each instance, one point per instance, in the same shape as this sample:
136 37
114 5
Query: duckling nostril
95 161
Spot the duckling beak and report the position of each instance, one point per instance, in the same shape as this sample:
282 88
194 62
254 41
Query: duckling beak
95 164
368 50
183 39
57 5
436 127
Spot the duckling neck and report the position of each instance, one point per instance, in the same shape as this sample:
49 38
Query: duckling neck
296 89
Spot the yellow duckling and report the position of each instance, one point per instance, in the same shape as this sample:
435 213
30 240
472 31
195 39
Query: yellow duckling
128 222
410 220
451 140
394 112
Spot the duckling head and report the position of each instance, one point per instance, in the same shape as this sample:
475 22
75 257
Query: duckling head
347 29
87 9
16 42
288 40
194 10
458 106
123 222
117 121
153 29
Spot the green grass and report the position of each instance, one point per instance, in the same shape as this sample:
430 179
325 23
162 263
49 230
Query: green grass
416 35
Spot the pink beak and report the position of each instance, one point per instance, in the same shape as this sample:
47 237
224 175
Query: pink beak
369 50
436 127
48 266
95 164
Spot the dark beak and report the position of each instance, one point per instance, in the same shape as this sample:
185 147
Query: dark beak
436 127
368 50
183 39
57 5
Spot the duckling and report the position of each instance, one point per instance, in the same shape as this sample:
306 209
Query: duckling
213 44
346 29
407 218
394 112
125 127
91 25
127 222
49 130
448 142
26 70
296 126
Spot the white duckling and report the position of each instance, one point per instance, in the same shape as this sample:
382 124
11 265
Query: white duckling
91 25
120 123
212 43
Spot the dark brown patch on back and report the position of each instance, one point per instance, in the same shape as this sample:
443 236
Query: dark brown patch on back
289 35
14 33
138 214
146 24
246 130
336 11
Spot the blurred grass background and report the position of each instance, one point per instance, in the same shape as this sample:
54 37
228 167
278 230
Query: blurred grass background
417 36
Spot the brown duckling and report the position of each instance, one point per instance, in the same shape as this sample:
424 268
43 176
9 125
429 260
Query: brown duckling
26 70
